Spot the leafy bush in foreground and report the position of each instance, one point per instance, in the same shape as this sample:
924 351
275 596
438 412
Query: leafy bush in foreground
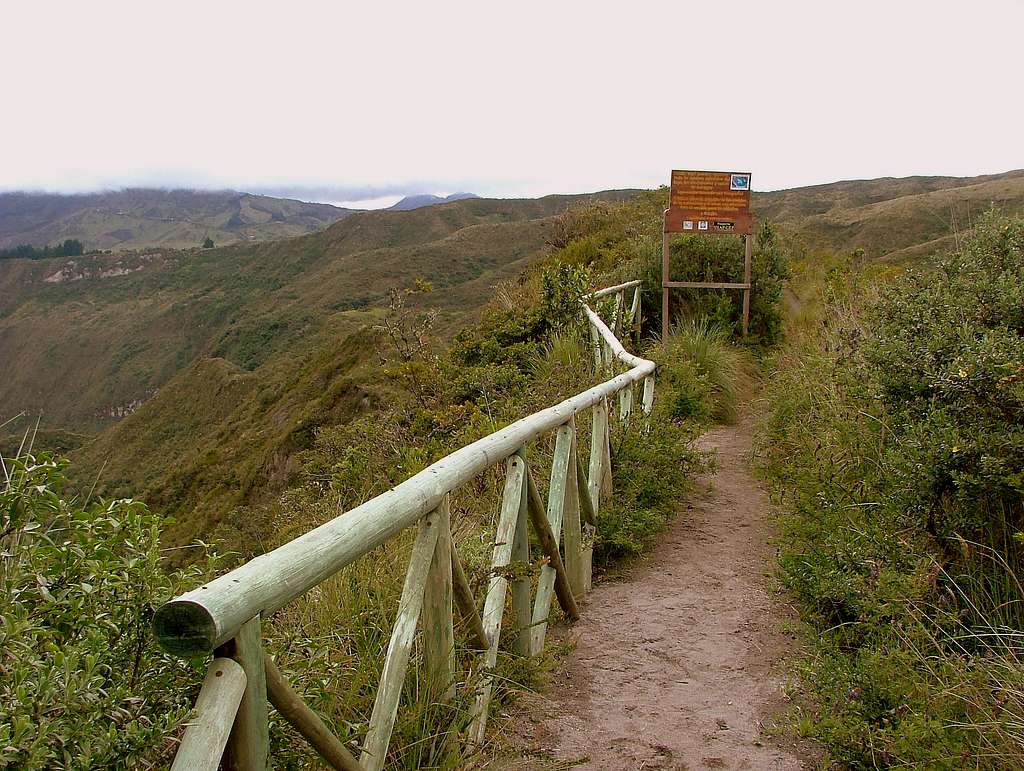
82 683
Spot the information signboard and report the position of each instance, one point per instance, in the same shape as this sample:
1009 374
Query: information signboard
704 203
709 202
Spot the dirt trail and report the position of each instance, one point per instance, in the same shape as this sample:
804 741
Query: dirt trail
676 666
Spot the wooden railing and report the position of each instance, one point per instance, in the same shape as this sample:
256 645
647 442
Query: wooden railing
223 616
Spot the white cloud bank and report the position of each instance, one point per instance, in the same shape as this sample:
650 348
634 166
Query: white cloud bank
503 99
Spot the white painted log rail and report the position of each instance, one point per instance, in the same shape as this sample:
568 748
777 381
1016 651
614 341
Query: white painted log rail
223 617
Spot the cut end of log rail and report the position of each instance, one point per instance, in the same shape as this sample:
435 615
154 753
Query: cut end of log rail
185 628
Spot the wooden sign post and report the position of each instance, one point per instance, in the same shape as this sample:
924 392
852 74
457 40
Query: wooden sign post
708 203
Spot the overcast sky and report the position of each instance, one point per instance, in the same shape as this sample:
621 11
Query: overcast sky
346 102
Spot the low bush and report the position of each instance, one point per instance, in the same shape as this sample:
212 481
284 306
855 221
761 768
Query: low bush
654 465
82 683
892 440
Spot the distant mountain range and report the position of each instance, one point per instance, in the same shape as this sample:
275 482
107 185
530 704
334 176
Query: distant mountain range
144 218
419 201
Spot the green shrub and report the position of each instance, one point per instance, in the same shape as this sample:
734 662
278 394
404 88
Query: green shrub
502 337
82 682
893 438
947 352
563 286
720 258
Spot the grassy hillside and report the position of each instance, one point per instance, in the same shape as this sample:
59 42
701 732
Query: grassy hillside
890 218
218 435
225 361
144 218
122 326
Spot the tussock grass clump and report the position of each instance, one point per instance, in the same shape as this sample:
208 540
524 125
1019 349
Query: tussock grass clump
707 374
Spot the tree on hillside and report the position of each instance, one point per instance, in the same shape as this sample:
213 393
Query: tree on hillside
207 243
71 247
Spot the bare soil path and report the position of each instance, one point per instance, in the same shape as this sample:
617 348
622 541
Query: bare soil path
677 665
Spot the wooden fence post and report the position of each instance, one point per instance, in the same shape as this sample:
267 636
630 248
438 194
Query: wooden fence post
558 500
396 660
598 431
437 622
494 605
595 342
248 747
664 284
522 606
207 734
648 394
549 545
571 525
748 253
606 453
626 403
637 322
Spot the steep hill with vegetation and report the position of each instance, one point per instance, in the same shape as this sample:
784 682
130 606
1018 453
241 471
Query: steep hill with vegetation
231 358
145 218
121 326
